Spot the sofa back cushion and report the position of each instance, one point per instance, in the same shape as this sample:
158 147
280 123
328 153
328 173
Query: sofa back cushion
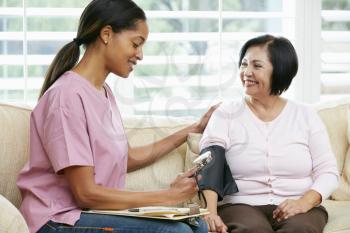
335 115
14 138
145 130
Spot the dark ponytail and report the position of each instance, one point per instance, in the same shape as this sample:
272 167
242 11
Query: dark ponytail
119 14
65 60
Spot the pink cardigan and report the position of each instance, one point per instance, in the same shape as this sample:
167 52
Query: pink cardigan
273 161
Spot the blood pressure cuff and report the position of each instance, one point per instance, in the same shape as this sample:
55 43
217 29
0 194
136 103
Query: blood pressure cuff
217 176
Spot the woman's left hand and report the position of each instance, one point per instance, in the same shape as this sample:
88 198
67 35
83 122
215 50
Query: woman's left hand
202 123
289 208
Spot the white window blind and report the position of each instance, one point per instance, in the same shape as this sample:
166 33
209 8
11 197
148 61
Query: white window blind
335 56
190 59
31 34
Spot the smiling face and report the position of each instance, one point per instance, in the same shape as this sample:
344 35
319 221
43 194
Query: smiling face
256 72
125 49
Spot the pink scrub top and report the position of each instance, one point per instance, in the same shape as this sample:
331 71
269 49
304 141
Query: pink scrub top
73 124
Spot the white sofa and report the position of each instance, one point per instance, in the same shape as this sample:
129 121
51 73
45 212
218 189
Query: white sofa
14 132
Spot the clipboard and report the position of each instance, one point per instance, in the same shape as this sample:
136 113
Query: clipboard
154 212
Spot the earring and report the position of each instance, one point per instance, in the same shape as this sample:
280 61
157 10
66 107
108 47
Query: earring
106 42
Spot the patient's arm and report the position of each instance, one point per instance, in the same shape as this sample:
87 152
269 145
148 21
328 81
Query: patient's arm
215 223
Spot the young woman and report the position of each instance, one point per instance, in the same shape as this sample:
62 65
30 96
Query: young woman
79 154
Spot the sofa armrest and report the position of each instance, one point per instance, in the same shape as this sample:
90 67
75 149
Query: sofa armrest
11 219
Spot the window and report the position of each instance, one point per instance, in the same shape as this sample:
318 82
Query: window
190 59
31 33
11 55
335 57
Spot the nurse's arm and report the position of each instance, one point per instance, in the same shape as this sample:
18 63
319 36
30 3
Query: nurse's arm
145 155
90 195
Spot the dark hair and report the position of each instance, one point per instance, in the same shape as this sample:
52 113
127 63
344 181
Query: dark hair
282 56
119 14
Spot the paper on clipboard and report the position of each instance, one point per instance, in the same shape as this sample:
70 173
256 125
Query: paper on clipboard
155 212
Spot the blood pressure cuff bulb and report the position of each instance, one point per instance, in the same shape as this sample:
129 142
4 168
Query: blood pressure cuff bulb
216 176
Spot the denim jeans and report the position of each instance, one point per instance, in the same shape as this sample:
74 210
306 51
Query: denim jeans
98 223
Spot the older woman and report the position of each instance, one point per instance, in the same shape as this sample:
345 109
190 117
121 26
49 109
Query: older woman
277 151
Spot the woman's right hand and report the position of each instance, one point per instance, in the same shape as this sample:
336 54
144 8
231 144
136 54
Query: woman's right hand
215 223
184 187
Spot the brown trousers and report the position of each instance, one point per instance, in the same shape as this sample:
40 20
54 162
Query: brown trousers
243 218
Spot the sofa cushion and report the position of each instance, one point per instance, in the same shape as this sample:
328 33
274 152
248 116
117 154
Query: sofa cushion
335 115
339 216
145 130
349 125
11 219
14 137
343 192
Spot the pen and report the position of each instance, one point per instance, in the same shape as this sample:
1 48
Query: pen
134 210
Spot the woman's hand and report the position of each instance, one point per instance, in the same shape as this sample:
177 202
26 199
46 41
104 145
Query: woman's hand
215 223
202 123
184 187
289 208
